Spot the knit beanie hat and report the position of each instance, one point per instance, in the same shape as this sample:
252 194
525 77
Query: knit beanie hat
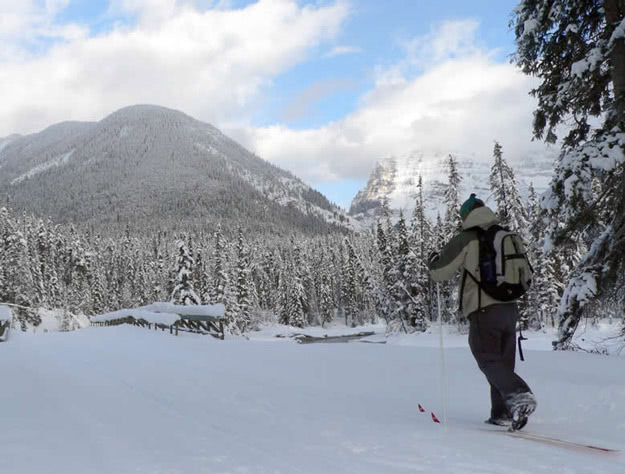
472 203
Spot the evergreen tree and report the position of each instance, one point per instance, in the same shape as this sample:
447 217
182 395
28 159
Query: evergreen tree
510 207
32 231
357 286
220 272
292 290
349 285
404 264
296 295
183 291
19 286
283 298
577 50
445 230
265 281
326 300
453 221
243 318
302 274
386 263
421 245
534 312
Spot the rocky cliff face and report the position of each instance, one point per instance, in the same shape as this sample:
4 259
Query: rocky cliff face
395 179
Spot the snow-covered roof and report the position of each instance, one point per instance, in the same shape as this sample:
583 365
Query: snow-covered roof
211 310
164 313
5 313
138 313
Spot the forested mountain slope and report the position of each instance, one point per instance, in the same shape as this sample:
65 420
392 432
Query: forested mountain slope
150 167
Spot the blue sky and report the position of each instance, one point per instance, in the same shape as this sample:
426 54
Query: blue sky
377 28
322 88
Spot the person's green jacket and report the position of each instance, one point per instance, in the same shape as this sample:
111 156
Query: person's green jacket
462 252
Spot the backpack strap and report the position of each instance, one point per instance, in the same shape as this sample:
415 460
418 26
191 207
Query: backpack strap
479 290
480 232
462 282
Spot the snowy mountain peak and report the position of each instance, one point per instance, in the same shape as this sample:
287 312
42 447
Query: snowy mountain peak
143 113
395 179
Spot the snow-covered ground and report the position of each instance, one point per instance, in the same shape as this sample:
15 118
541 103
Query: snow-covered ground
128 400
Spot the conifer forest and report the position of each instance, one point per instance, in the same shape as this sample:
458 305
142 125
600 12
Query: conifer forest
300 280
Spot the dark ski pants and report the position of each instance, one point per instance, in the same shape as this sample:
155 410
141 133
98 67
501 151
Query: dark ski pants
492 338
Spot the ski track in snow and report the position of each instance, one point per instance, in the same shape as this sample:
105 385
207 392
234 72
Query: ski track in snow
129 400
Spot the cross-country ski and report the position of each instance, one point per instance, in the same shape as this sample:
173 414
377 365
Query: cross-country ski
560 443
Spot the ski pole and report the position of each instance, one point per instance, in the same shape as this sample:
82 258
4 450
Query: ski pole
443 375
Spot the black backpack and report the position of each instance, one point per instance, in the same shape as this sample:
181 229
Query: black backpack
505 270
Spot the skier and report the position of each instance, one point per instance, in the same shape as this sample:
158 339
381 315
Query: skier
492 323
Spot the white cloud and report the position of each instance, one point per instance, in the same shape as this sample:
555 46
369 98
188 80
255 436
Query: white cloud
211 64
25 24
300 107
456 38
342 50
452 97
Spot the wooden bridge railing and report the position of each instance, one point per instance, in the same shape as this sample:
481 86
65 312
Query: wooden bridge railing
197 323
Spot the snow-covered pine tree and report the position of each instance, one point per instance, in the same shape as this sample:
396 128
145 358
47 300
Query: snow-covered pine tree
385 254
126 269
349 285
535 313
544 294
283 297
33 229
183 291
358 298
264 280
200 275
292 310
451 225
4 234
253 281
453 221
297 295
274 273
46 244
421 245
243 318
156 269
448 289
401 277
79 294
511 209
577 50
144 288
302 272
326 300
98 292
112 281
220 272
366 259
7 229
19 284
